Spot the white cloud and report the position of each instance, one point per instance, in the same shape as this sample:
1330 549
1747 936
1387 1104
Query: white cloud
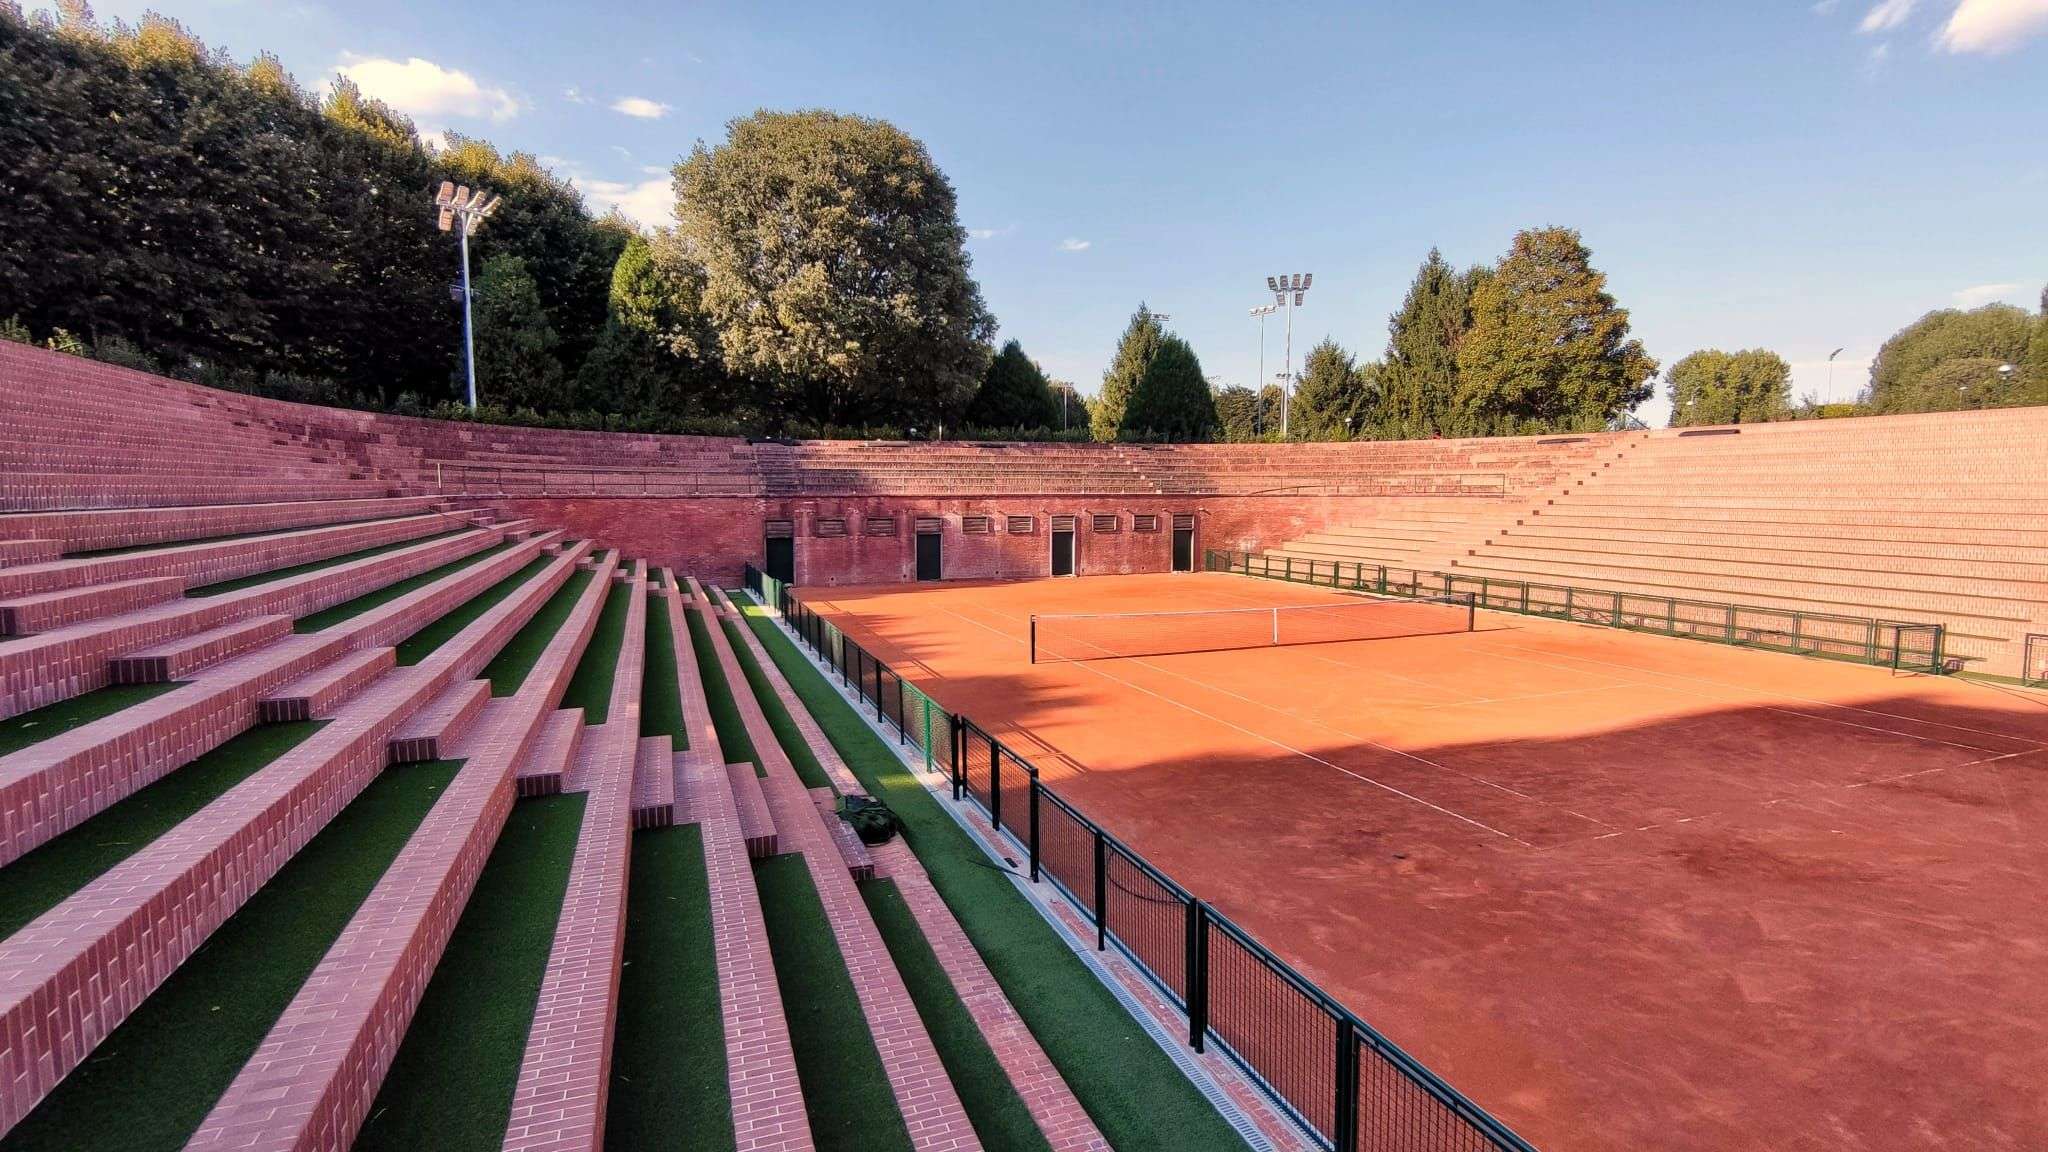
649 202
1978 295
1886 15
990 233
1993 26
1825 7
1877 57
422 88
1072 245
574 95
640 108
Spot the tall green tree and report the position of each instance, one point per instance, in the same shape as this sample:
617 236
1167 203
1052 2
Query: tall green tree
516 361
2037 349
1134 355
1903 376
1013 394
1715 387
1419 375
1237 413
1336 398
1171 400
1071 406
835 267
1548 349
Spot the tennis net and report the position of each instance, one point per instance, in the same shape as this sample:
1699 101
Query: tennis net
1115 635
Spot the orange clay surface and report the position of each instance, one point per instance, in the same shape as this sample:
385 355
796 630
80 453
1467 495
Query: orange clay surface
1625 891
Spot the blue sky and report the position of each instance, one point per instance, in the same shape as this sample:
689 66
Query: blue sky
1796 176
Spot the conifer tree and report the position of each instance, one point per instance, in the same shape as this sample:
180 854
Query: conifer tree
1134 354
1336 396
1013 394
1419 375
1171 400
516 363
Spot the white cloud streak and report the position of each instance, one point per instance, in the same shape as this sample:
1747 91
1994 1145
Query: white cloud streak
1886 15
640 108
1072 245
1978 295
649 202
1993 26
422 88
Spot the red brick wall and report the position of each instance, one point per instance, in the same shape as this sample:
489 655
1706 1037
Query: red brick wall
713 537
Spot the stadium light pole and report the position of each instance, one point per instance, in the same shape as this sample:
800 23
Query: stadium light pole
1288 289
1831 374
470 210
1261 312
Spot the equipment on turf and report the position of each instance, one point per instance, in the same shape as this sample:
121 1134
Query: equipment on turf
1114 635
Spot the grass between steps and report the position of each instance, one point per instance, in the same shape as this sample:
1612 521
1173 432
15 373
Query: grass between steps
443 628
350 609
254 578
48 876
993 1106
846 1091
1135 1094
725 714
39 724
148 1086
668 1086
450 1086
590 688
786 733
508 670
661 701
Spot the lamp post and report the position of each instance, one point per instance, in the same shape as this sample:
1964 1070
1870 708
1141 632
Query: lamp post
1831 374
469 209
1260 313
1288 290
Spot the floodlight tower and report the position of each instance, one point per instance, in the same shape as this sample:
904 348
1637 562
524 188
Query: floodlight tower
1260 313
470 210
1288 289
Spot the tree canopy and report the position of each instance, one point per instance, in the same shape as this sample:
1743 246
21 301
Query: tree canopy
1134 353
1419 377
835 267
1905 376
1715 387
1336 397
1171 400
1013 394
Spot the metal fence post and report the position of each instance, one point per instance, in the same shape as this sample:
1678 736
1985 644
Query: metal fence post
959 754
995 784
1197 972
1101 891
1034 826
1345 1134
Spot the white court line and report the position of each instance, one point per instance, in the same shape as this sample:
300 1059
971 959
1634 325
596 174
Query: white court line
1085 666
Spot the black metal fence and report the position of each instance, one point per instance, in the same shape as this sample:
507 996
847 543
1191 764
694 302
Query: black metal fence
1348 1086
1897 644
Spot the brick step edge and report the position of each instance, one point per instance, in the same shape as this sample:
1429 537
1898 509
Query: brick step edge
175 659
318 693
438 726
859 864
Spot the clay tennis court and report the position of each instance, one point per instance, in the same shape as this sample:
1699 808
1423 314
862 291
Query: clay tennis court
1624 891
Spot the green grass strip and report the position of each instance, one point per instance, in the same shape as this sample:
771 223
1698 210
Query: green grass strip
1135 1094
48 876
793 742
350 609
591 687
450 1086
148 1086
39 724
421 644
661 699
514 662
725 714
255 578
668 1084
993 1106
846 1091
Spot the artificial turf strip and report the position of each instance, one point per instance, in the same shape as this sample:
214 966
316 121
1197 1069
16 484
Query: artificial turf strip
48 876
443 628
993 1106
509 668
1134 1093
450 1086
846 1091
793 742
661 700
725 714
591 687
668 1085
39 724
349 609
255 578
148 1086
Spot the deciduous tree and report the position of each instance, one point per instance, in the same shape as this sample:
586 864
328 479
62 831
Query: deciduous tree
1715 387
1903 376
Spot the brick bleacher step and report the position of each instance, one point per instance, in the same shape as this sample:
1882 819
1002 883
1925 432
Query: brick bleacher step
654 782
859 864
49 611
441 724
176 659
546 765
14 553
318 693
84 530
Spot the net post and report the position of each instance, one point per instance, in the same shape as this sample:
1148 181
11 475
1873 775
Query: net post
1033 844
1034 638
1276 627
1344 1137
1198 973
1101 891
1471 613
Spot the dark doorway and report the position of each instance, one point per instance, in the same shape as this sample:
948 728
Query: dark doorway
781 559
1063 552
928 566
1183 549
